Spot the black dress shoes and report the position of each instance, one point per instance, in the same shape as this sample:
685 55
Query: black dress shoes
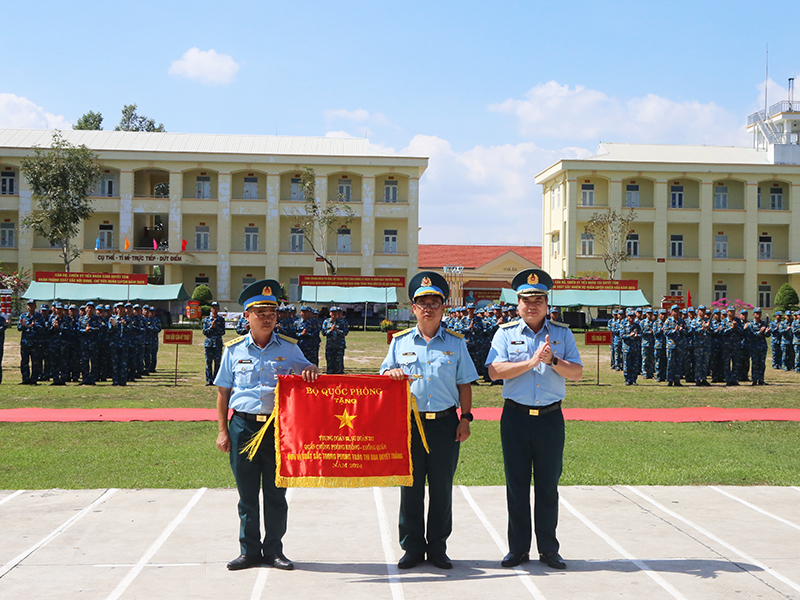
513 559
552 559
244 562
410 560
278 561
440 560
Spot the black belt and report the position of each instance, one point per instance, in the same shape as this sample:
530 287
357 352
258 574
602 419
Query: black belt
431 416
534 412
261 418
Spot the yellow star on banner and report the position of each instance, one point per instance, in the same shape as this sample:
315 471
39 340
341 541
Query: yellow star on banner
345 420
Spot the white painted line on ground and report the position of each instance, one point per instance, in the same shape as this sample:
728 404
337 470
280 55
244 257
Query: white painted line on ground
614 544
263 573
10 496
386 540
795 488
60 529
719 541
756 508
156 565
128 579
523 575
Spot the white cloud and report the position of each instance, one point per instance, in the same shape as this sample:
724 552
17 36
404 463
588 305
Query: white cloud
557 111
205 66
20 113
338 134
358 115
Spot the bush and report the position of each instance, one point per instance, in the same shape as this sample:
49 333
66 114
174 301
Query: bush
386 325
202 293
786 298
205 310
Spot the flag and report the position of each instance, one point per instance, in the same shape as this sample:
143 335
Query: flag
97 244
183 246
689 298
155 244
127 244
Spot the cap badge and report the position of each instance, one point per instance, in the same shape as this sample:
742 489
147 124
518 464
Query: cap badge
267 291
533 279
426 281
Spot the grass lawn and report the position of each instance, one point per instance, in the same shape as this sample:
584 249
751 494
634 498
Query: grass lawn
183 455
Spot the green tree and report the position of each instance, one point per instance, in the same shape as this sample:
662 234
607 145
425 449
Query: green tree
91 121
60 179
610 232
202 293
132 121
786 298
317 220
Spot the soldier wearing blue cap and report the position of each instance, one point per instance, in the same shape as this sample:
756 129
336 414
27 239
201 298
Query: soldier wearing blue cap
744 347
214 330
3 327
88 329
795 331
787 341
777 357
760 331
731 343
616 340
533 357
73 350
246 383
673 332
631 334
700 331
441 372
715 363
660 346
307 329
117 346
335 330
61 328
31 325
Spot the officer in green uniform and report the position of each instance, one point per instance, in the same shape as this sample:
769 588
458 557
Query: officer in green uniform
533 356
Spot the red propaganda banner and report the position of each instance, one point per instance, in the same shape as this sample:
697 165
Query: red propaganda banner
596 284
104 278
343 431
668 301
597 338
177 336
352 281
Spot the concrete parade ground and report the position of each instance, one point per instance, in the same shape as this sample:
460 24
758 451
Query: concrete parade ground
618 542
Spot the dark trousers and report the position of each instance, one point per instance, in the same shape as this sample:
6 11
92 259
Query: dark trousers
251 478
334 359
213 358
439 467
30 365
90 354
532 445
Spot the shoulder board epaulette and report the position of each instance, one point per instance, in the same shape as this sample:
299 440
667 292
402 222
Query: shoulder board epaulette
287 338
559 324
235 340
455 333
405 331
509 324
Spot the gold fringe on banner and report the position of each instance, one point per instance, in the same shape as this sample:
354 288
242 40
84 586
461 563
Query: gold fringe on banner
419 423
251 447
344 482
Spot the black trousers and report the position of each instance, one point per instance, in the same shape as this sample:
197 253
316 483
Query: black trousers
439 467
253 477
532 445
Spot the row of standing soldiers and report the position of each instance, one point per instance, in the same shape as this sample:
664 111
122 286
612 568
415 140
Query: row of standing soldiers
693 344
88 344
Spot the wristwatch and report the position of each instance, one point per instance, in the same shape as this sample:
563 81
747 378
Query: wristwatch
555 361
467 416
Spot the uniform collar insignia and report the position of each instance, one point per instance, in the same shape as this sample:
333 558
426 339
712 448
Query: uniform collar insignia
279 358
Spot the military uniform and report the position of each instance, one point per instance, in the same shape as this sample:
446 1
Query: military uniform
673 331
32 327
758 347
796 340
631 335
88 330
647 326
335 332
241 326
213 329
731 331
307 333
776 340
787 345
715 363
117 347
744 352
700 329
3 326
660 346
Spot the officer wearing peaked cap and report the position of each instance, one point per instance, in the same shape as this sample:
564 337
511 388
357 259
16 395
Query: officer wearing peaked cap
246 383
441 371
533 357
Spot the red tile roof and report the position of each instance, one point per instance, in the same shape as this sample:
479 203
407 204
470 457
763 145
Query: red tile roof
436 256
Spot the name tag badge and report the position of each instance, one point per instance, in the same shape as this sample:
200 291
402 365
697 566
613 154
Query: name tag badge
245 361
409 353
517 343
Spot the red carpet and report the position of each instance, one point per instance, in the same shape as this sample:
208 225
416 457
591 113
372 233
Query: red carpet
668 415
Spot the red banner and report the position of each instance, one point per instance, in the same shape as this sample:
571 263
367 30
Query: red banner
343 431
352 281
104 278
597 338
177 336
596 284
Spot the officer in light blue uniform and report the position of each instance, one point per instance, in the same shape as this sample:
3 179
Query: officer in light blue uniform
534 357
441 371
246 383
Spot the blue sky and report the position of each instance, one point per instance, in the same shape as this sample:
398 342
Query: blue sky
492 92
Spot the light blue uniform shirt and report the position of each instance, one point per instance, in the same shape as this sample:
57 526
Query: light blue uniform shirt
435 368
517 343
252 373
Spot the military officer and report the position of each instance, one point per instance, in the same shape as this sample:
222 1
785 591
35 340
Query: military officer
441 371
214 330
335 330
117 346
473 329
760 331
715 364
700 330
776 339
796 340
731 331
787 346
647 325
744 351
31 325
631 334
3 326
307 330
242 326
533 357
246 384
660 346
673 332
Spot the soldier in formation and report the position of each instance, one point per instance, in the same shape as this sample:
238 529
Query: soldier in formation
335 330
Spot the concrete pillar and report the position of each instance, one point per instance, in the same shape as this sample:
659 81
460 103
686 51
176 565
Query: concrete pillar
174 273
750 284
660 240
25 236
272 236
125 209
224 237
567 243
413 227
368 226
705 244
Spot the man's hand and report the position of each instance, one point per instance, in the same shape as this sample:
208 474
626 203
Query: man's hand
396 374
310 373
462 431
543 354
224 441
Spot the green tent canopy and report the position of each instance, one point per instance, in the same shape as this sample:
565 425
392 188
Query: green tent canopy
83 292
586 298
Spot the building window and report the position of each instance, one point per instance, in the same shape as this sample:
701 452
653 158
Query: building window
554 245
558 197
765 247
343 241
247 281
720 292
676 196
106 237
250 191
294 289
587 244
390 241
201 235
676 246
632 245
106 187
297 240
552 199
720 246
7 235
8 183
776 199
251 239
759 197
297 190
765 296
632 196
721 197
200 281
345 189
587 194
676 289
390 191
203 187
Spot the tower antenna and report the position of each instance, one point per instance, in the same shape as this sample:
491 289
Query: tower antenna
766 82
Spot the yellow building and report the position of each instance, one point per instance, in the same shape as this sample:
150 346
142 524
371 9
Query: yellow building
711 221
231 198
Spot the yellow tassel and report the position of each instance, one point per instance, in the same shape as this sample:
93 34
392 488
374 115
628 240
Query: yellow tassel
419 423
251 447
